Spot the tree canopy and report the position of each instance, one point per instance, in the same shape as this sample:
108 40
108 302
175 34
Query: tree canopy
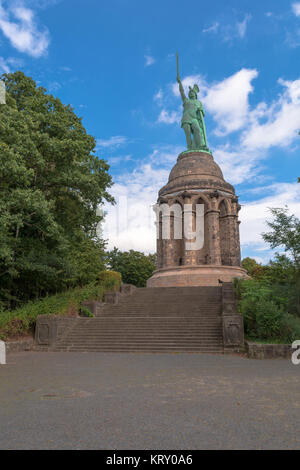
51 183
285 233
135 267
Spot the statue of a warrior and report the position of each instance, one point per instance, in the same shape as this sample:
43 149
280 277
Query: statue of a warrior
193 117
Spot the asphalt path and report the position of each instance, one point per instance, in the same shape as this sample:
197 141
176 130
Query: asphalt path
148 401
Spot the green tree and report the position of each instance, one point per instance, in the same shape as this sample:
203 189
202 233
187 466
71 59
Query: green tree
285 233
250 265
135 267
254 269
51 183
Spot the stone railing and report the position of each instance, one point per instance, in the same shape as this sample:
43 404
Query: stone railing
233 323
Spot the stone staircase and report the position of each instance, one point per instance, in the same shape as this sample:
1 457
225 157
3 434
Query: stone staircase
168 319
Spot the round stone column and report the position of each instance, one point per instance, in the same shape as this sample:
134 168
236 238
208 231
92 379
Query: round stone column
190 256
214 247
167 244
159 244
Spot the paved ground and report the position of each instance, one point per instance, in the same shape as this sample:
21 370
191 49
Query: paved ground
148 401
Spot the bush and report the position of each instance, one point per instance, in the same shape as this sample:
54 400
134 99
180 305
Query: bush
22 320
264 309
111 280
269 320
291 327
85 312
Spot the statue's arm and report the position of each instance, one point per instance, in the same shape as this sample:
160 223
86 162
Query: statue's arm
183 97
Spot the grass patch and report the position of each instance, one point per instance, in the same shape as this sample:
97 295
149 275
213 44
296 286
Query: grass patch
21 322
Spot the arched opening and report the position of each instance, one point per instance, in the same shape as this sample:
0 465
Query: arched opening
224 234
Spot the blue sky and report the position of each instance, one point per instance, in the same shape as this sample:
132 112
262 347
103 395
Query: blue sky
115 63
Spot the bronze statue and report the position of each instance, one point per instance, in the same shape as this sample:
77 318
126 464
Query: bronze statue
193 117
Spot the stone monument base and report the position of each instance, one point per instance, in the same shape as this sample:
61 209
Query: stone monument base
199 275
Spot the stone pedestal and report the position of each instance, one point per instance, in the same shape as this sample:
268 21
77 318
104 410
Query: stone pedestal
200 275
197 179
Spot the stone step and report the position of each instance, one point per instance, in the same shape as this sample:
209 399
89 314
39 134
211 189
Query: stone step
204 330
144 339
212 350
113 326
136 297
196 328
171 301
151 321
112 323
141 346
160 313
175 319
111 332
167 316
188 334
171 298
198 302
156 318
143 343
167 305
180 288
148 321
178 310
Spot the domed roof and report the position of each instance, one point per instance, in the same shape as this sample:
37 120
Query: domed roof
195 170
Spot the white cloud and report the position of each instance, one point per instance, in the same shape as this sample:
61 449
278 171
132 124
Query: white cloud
130 224
120 158
237 164
231 31
169 117
293 38
212 29
235 30
54 86
66 69
158 96
7 64
165 155
254 214
23 34
149 60
4 66
242 26
113 142
296 8
228 100
277 124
